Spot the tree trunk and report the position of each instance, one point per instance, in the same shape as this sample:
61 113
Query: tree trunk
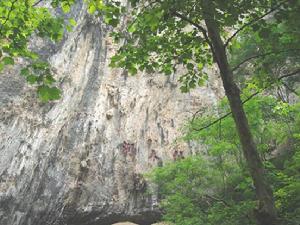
266 212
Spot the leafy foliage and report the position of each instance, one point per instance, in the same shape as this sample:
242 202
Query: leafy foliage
159 36
39 73
19 21
269 48
165 35
215 188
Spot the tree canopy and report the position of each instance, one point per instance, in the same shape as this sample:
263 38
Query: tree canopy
162 35
215 187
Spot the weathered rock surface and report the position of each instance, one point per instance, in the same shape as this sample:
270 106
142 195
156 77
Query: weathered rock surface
79 161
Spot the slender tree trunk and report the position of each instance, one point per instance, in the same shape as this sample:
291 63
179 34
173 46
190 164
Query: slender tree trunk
266 213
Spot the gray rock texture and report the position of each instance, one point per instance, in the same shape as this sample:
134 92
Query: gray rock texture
80 160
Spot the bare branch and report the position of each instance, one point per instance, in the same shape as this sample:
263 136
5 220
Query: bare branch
38 2
225 115
248 99
261 55
253 22
196 113
289 74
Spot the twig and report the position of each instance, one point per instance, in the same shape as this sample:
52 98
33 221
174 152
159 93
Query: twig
202 29
196 113
38 2
227 114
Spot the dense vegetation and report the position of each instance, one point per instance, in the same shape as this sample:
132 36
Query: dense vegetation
214 186
255 46
196 34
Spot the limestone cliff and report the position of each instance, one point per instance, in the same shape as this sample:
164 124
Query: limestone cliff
79 161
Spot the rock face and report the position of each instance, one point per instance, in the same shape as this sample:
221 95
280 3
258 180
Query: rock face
79 161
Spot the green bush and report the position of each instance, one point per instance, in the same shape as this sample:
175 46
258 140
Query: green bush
214 187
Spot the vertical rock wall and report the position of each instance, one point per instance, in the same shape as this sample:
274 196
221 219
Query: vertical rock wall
79 160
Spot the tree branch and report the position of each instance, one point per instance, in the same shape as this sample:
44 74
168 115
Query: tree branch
261 55
202 29
225 115
198 26
248 99
253 22
38 2
289 74
217 199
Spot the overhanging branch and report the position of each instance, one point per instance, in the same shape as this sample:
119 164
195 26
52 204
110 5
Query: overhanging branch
198 26
38 2
261 55
225 115
248 99
202 29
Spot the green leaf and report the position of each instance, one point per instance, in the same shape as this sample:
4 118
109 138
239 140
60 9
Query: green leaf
31 79
201 82
69 28
8 61
54 4
72 22
43 93
24 72
91 9
54 93
47 93
49 79
190 66
132 70
184 89
200 66
132 28
65 7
